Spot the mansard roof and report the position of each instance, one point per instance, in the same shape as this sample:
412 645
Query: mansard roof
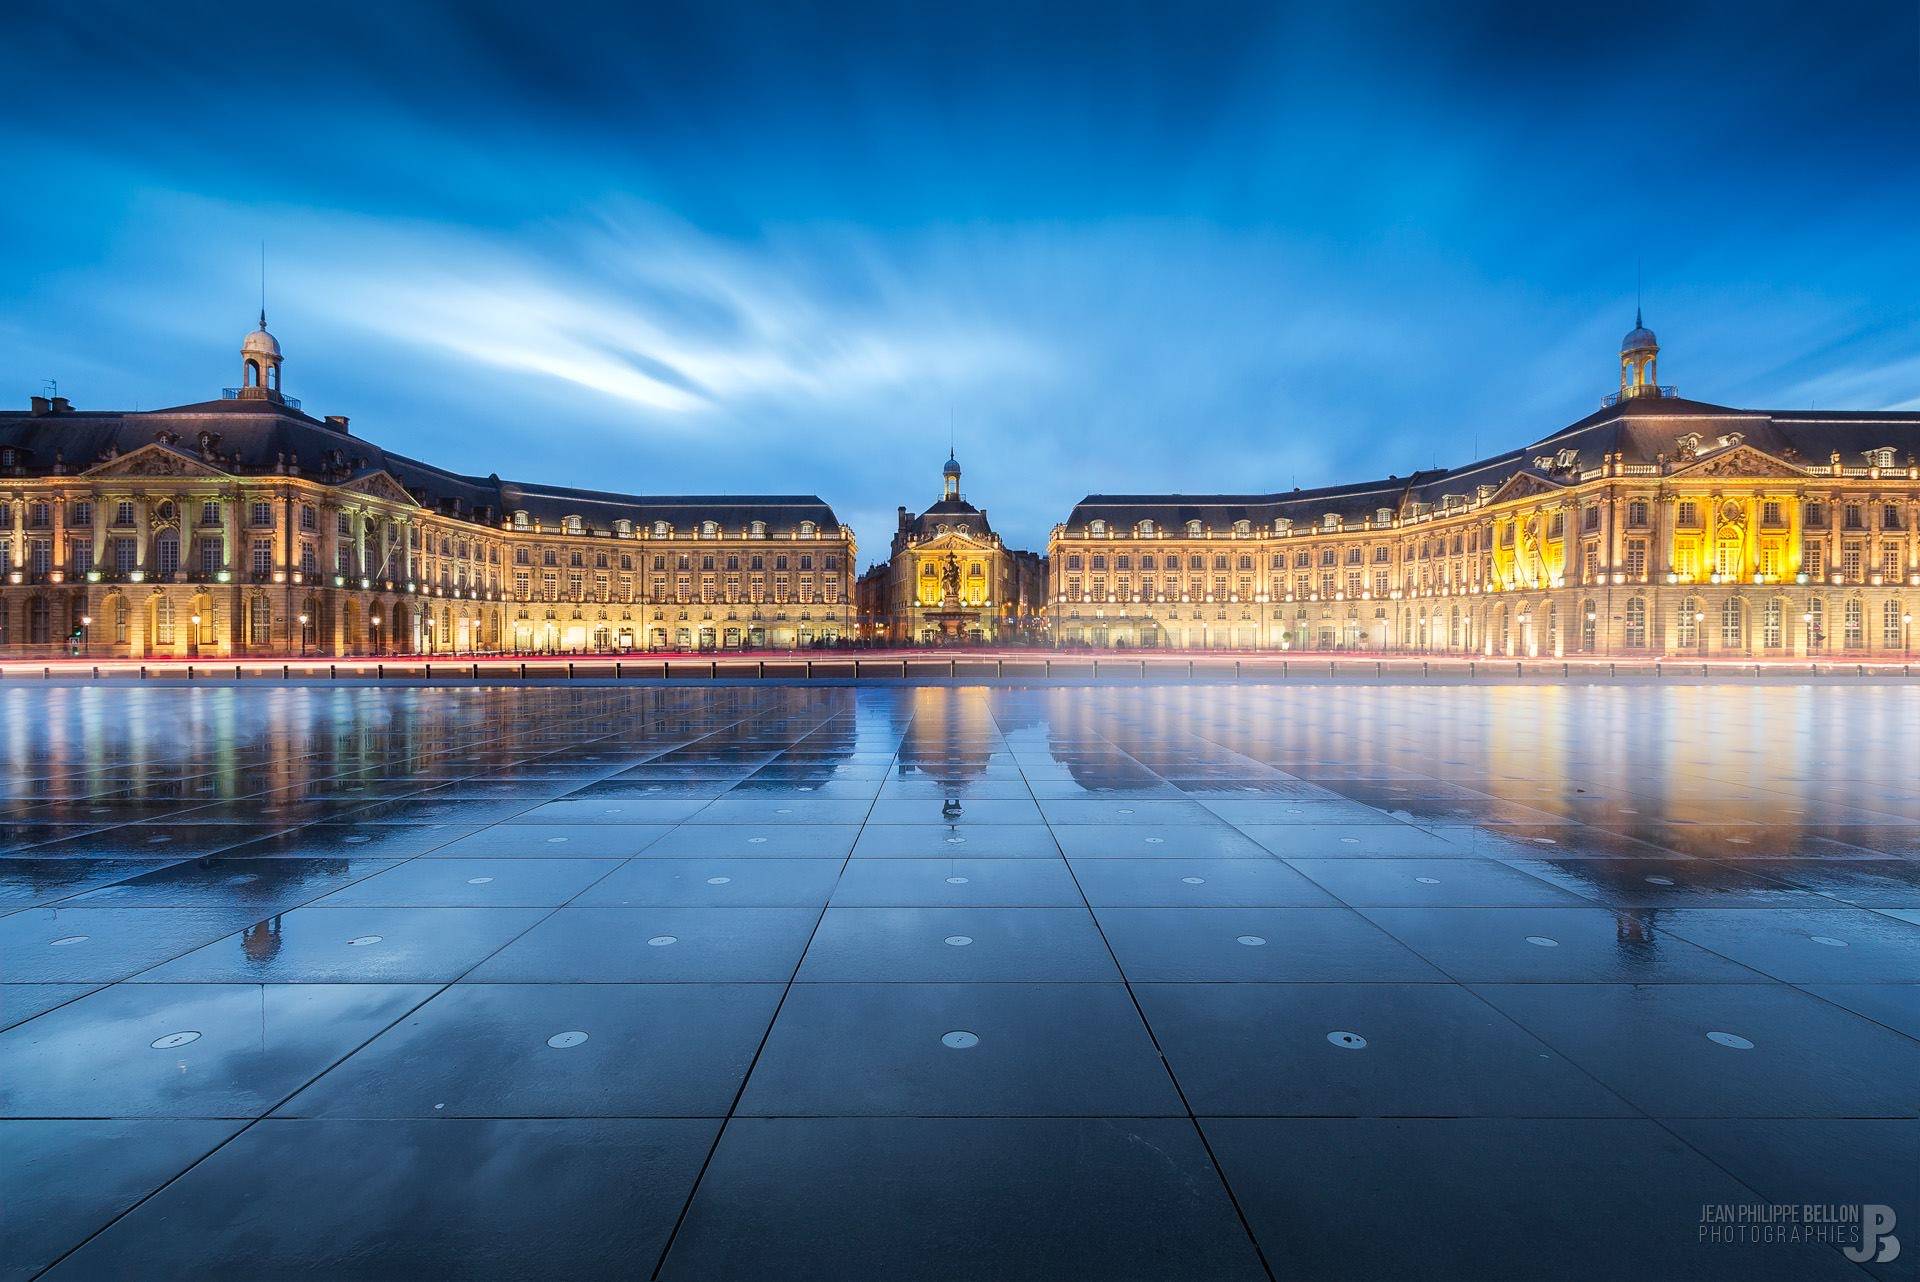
1642 430
264 437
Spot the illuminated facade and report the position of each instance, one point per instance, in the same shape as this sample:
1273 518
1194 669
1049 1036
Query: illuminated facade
243 526
1657 525
950 578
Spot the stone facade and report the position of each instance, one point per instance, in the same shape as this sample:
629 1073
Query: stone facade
1657 525
245 527
949 579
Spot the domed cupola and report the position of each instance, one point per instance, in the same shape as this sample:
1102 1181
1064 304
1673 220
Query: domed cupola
1639 356
260 364
950 475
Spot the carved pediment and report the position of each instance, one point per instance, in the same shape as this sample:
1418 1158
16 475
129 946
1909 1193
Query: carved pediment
381 485
1524 485
1742 460
156 460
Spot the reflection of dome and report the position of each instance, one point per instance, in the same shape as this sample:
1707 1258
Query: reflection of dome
260 343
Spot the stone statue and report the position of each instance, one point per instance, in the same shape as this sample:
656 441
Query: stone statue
950 581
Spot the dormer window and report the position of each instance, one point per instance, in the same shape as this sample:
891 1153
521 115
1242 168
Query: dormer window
806 529
758 529
661 529
1242 529
521 521
1331 521
1882 457
1096 528
1383 516
709 530
623 529
1193 529
572 525
1144 529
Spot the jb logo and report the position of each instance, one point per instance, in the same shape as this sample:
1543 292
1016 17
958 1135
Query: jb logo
1877 1242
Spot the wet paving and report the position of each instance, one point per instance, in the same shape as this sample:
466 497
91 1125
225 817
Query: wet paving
1160 982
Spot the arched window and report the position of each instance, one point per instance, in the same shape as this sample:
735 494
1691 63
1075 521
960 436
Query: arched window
806 529
1589 626
520 521
572 525
1733 623
758 529
661 529
260 622
1816 622
1635 636
1773 624
1453 628
162 621
1685 634
117 618
1193 529
1854 624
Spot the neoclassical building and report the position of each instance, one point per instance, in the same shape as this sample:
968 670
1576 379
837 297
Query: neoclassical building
1657 525
244 526
950 578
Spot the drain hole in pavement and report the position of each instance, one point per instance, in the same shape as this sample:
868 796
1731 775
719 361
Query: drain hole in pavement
172 1040
959 941
363 941
1542 941
1252 941
1347 1041
956 841
478 881
956 881
718 881
1195 881
960 1039
1155 841
1733 1040
1828 940
560 1041
756 841
661 941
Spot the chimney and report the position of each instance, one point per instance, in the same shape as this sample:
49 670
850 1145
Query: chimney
41 405
338 422
61 405
903 516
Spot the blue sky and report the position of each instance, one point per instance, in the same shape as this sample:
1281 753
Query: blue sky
1193 247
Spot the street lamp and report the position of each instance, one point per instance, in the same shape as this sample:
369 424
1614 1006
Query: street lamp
86 635
1813 637
373 619
193 641
303 636
1700 630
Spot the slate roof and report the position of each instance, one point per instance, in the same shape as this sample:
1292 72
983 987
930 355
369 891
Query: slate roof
1641 430
260 437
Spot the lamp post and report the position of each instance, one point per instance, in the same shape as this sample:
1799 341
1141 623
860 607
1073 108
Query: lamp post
373 619
303 636
1813 637
193 639
1700 630
1593 632
86 635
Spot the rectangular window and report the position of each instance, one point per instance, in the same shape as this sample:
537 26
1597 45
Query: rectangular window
210 513
125 554
213 555
123 513
1637 557
80 552
261 513
1813 559
261 559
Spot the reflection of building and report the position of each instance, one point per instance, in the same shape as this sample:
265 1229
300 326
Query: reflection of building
1655 525
245 526
950 578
